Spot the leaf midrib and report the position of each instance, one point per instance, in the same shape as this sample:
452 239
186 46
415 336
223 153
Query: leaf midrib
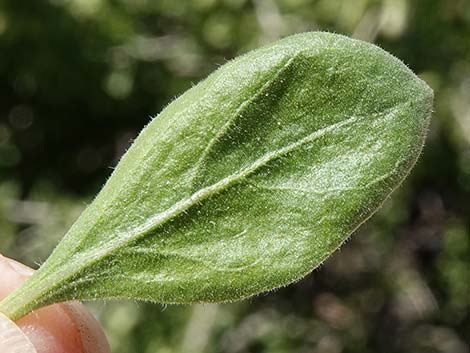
211 190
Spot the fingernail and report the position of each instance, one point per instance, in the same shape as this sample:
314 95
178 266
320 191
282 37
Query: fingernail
21 269
91 334
12 339
3 259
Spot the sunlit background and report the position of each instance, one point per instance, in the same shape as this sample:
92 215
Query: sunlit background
80 78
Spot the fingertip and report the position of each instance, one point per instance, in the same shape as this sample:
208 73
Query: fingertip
51 329
65 327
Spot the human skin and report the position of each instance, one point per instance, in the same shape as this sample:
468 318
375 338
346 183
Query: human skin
59 328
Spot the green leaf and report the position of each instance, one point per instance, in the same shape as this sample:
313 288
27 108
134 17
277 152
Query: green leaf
246 182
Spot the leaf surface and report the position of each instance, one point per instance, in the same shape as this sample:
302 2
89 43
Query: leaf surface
246 182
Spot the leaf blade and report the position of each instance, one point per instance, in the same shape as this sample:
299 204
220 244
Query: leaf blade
200 206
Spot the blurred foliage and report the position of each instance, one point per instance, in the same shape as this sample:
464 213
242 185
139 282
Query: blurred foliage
80 78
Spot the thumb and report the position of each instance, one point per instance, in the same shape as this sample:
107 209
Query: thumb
12 339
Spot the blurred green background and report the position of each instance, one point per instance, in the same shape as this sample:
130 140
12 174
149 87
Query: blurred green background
80 78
